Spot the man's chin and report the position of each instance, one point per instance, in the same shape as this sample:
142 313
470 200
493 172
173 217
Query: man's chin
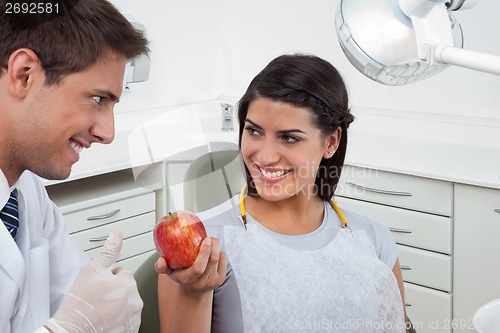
54 175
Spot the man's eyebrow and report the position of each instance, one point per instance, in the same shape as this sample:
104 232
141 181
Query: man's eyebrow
292 130
108 94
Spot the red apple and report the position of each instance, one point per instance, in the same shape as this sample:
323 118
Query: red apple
178 237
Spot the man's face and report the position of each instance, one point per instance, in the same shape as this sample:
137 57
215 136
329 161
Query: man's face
60 120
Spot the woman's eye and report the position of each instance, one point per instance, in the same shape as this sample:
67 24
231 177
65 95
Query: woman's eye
252 131
97 99
290 139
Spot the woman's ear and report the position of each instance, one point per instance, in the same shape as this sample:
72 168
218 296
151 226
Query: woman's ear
332 143
24 69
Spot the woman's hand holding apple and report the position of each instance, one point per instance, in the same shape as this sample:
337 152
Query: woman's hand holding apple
207 272
188 256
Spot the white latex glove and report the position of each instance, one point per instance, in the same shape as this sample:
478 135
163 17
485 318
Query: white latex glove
101 300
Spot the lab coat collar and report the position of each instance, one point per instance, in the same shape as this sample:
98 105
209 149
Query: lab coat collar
11 259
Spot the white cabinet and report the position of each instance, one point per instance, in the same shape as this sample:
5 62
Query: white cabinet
418 211
94 206
477 249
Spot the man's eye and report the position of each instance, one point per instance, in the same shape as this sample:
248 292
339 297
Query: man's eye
97 99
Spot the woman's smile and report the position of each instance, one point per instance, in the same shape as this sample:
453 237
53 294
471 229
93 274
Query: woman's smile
272 176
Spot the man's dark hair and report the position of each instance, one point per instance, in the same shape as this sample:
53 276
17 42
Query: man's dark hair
74 35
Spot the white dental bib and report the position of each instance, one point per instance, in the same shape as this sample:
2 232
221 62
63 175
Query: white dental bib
342 287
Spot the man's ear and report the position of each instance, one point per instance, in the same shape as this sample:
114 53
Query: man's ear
23 71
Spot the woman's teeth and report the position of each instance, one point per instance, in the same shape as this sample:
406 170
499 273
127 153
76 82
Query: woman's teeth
272 174
76 147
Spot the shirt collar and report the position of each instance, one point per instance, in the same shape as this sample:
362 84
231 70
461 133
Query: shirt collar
5 189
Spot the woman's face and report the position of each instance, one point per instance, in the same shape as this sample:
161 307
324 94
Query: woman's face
282 149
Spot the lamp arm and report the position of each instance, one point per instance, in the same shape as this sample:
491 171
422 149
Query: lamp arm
431 25
488 63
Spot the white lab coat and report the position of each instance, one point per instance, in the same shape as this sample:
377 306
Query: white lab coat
37 271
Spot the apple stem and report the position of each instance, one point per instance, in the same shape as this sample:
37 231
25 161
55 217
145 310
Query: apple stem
170 214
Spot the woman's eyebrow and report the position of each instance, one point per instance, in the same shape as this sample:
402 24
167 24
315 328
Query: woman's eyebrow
292 130
252 123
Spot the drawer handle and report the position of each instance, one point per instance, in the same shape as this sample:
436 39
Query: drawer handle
497 210
376 190
98 239
407 304
102 217
403 231
405 268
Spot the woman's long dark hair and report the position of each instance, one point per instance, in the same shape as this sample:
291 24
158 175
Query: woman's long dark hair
309 82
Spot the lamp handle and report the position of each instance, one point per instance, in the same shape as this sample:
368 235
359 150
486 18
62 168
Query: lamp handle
446 54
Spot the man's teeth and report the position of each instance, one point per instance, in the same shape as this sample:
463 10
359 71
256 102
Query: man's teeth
272 174
76 147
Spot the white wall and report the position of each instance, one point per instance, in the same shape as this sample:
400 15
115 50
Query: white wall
256 31
205 49
184 42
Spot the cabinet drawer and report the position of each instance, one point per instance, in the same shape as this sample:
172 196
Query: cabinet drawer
426 231
109 212
425 268
133 263
428 309
131 246
92 238
394 189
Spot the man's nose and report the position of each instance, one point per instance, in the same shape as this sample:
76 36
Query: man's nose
103 130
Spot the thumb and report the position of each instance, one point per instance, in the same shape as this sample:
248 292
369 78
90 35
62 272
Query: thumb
110 251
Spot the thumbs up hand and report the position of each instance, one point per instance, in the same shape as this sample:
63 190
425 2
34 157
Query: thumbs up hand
109 252
102 299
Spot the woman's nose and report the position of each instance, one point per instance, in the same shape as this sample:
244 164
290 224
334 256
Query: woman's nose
268 153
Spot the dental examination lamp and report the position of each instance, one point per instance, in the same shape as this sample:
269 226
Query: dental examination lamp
397 42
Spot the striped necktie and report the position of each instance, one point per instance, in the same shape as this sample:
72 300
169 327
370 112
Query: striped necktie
10 214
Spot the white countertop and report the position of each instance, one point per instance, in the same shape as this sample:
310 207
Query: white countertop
438 147
442 148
